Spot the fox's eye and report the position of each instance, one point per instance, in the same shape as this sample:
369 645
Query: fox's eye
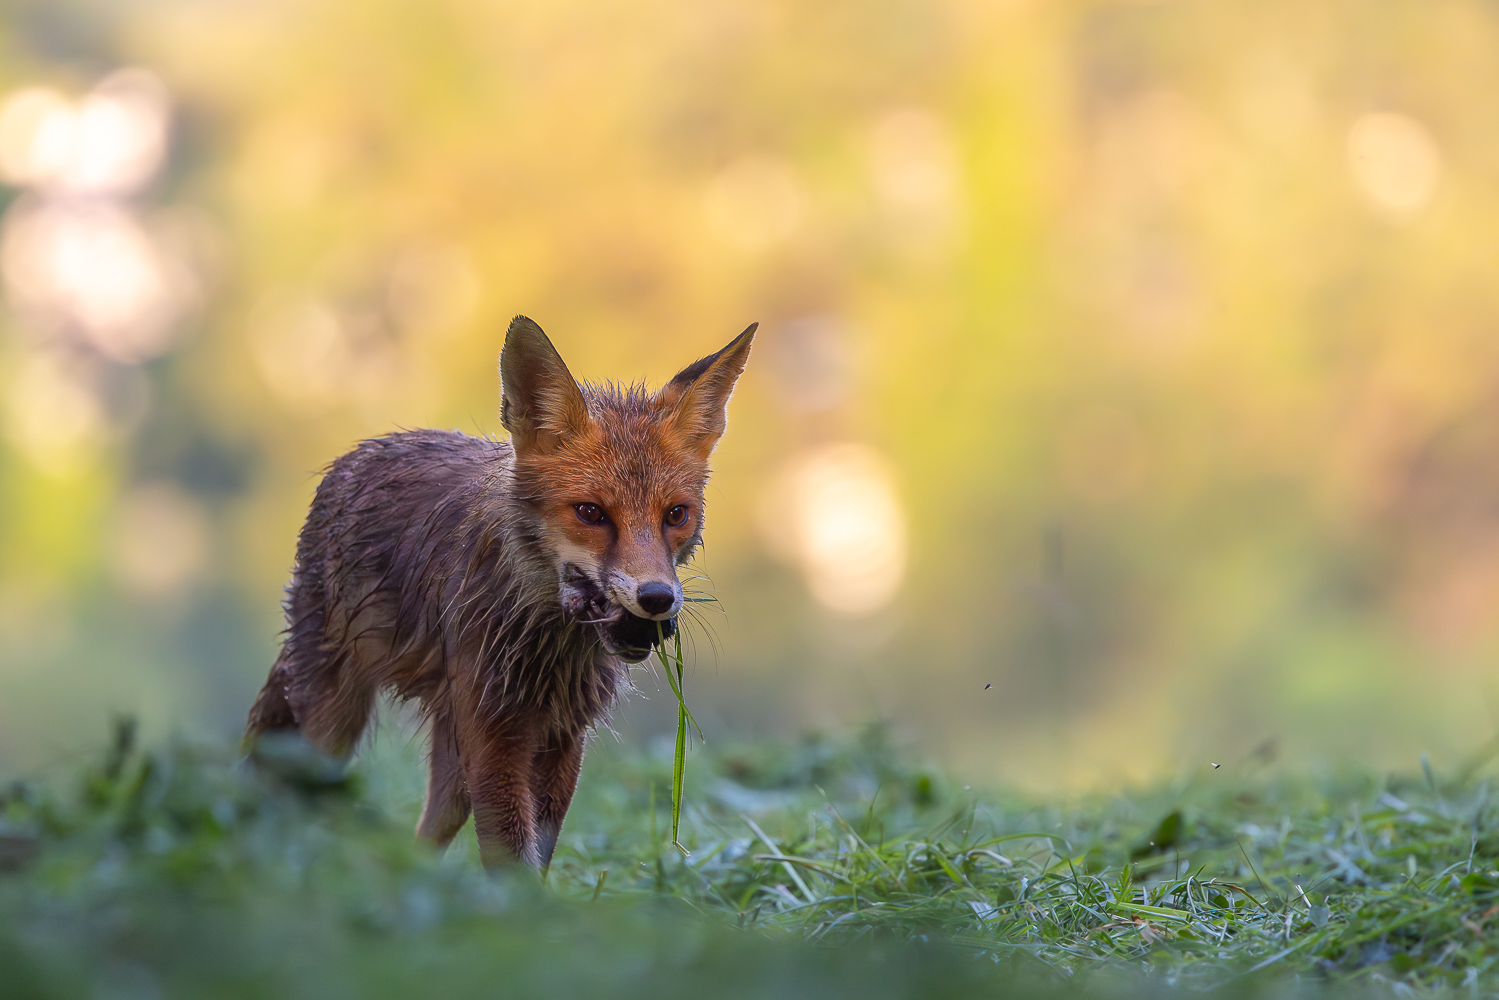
589 513
676 517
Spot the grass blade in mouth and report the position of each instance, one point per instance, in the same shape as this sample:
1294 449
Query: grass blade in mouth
674 669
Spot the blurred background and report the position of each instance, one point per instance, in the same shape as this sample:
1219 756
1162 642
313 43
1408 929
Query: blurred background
1127 393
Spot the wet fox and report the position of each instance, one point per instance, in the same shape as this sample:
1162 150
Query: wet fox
503 586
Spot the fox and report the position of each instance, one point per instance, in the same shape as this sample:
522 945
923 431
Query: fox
504 587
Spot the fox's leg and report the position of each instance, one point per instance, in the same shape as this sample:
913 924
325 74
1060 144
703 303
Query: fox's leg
446 807
554 778
497 764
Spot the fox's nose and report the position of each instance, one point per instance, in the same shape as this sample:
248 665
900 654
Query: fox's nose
655 598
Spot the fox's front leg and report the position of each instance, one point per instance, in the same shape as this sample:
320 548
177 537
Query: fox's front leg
497 762
554 779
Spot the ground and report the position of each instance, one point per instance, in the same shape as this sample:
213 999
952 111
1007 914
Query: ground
829 866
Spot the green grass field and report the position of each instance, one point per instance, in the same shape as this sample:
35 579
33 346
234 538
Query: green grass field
823 867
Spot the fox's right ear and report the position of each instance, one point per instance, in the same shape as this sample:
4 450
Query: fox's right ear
699 395
540 403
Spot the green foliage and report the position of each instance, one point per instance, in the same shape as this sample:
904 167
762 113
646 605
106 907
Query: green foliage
1192 437
817 868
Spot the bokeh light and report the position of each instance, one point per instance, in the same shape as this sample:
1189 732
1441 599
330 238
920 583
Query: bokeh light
755 203
79 262
111 142
96 269
38 134
54 417
160 540
914 167
834 512
1394 160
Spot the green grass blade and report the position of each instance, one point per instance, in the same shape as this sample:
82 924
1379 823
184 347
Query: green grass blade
684 719
678 772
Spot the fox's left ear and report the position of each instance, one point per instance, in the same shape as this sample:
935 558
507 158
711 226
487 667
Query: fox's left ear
540 403
699 395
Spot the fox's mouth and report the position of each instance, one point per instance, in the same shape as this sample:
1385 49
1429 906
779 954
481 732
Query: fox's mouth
631 638
625 635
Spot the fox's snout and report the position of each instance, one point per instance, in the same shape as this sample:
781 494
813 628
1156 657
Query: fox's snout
631 618
654 599
657 600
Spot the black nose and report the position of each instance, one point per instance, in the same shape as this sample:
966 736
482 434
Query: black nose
655 598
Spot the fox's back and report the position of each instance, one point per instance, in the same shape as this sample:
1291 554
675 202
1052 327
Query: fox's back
411 490
389 533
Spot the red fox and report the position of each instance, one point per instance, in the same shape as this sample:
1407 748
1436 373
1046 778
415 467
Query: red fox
503 586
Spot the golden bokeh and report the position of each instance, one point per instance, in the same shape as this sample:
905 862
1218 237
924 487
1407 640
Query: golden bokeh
1138 360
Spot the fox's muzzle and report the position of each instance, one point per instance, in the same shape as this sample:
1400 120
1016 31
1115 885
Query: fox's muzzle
624 634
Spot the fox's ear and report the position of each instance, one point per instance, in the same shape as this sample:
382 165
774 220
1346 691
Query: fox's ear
540 403
699 395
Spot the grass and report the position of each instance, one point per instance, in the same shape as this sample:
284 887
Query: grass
673 667
821 867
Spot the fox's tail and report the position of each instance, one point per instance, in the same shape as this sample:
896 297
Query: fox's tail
272 709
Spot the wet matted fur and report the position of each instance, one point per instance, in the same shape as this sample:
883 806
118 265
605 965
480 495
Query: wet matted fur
502 586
